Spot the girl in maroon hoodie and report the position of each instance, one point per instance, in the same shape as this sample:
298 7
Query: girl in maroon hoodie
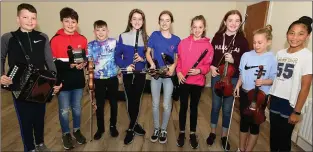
189 50
228 29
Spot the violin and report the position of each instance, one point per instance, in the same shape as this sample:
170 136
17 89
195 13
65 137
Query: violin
91 87
224 87
90 74
257 100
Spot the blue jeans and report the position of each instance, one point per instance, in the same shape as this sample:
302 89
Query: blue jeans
218 102
70 99
167 100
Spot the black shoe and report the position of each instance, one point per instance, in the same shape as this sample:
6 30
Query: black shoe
163 137
155 135
181 139
113 131
67 141
210 140
80 139
225 145
129 137
193 141
139 130
98 135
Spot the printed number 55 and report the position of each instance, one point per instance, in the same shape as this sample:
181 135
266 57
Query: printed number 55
287 71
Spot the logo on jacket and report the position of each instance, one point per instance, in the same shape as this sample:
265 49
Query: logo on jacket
37 41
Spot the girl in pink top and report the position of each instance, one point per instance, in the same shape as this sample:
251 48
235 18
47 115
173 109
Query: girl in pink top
189 50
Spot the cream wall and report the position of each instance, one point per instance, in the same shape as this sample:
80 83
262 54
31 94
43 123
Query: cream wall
116 15
280 16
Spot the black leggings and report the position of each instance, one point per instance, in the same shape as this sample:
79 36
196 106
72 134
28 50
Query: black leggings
246 122
101 87
133 86
195 93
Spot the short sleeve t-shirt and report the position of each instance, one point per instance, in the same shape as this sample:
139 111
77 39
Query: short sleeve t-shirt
160 44
290 69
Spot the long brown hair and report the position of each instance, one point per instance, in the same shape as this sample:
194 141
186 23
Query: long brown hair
201 18
223 27
143 27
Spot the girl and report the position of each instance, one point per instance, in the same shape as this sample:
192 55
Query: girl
162 41
189 50
291 86
262 39
228 29
133 83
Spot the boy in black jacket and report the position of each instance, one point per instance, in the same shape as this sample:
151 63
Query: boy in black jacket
31 115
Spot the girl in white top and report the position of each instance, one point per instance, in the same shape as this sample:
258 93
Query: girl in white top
291 87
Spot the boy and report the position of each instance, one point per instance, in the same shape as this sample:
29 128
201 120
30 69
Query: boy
102 52
31 115
71 75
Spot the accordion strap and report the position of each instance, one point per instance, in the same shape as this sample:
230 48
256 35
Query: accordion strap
22 47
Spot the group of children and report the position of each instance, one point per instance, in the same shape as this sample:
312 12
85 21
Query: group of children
291 70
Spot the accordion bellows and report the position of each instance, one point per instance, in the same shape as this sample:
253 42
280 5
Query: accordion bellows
31 84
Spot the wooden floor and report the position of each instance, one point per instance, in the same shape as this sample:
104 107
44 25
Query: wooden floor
11 138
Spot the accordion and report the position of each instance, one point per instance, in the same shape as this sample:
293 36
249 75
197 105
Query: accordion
31 84
76 56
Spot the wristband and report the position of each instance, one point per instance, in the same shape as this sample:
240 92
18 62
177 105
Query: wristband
297 113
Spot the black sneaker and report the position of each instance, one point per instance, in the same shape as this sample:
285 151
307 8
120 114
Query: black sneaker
129 137
67 141
210 140
79 137
155 135
181 139
139 130
193 141
163 137
98 135
113 131
225 145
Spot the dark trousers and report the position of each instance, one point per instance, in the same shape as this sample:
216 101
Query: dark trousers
280 133
195 93
31 117
280 129
133 86
101 87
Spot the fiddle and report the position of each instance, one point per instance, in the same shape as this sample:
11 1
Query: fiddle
257 100
91 88
224 87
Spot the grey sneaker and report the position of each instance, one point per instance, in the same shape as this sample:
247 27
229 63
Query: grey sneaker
34 150
42 148
79 137
67 141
